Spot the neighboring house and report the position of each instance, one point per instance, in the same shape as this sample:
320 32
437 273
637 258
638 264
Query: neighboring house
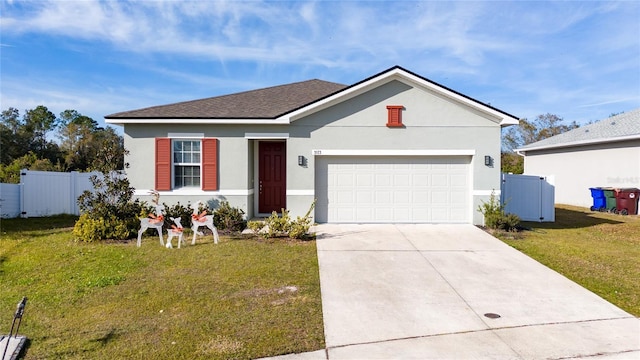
395 147
602 154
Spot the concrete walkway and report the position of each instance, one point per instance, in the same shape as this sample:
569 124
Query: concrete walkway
436 291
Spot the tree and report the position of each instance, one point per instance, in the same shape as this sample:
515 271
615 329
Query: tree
76 134
12 142
109 150
10 174
527 132
37 123
29 134
83 144
88 146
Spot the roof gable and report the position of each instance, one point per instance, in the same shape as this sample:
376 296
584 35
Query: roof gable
621 127
403 75
285 103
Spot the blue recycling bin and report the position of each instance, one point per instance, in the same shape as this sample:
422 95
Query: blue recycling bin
599 199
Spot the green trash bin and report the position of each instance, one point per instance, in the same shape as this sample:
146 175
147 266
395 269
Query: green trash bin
610 197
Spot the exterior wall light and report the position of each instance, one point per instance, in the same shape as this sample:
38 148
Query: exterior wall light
301 160
488 161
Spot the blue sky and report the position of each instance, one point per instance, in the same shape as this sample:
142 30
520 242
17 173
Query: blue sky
576 59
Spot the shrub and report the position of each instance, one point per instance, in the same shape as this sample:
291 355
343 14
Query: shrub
255 225
509 222
278 225
175 211
285 226
495 217
300 227
227 218
108 211
89 229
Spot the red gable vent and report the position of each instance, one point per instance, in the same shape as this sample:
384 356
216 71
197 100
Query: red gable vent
395 115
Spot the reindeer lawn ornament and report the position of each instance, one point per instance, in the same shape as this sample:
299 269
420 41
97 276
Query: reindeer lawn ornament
176 230
198 220
154 221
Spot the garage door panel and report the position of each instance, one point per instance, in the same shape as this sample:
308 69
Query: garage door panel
394 189
364 179
402 180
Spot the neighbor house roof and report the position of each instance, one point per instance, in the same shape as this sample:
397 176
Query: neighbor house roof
285 103
621 127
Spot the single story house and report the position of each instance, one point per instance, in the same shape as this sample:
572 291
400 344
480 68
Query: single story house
392 148
602 154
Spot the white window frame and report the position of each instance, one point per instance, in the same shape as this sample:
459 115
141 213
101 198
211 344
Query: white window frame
175 164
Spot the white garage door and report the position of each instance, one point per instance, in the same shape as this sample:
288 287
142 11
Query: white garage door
393 189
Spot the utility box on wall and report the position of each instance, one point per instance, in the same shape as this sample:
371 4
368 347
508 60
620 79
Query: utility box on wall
530 197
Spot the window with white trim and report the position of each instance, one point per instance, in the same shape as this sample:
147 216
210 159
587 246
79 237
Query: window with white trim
186 163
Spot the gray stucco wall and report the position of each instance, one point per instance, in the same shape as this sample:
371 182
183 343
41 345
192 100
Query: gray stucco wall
577 169
431 122
235 161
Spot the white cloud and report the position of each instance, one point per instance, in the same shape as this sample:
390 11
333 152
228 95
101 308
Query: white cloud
275 32
531 54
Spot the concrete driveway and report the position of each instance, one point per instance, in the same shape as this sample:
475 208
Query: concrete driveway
429 291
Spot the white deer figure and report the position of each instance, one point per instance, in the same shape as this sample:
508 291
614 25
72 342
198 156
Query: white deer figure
154 221
198 220
176 230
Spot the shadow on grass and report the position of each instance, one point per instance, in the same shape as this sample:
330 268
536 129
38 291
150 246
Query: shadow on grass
573 219
34 224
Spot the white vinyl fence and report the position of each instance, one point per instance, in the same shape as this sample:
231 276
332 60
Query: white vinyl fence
9 200
44 193
532 198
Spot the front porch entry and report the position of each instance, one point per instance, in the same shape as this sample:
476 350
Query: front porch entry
272 176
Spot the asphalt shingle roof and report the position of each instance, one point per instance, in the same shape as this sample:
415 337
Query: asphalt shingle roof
613 128
266 103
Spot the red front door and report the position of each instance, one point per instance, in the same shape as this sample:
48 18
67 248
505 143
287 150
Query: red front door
272 176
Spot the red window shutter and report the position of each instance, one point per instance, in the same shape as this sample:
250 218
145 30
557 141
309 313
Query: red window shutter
210 164
394 118
163 164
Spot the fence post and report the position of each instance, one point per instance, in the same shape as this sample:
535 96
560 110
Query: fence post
23 174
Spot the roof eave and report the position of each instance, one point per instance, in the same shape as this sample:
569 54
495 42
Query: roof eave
508 121
579 143
226 121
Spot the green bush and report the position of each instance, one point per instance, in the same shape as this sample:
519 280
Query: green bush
278 225
495 217
299 228
175 211
227 218
255 225
90 229
285 226
509 222
108 212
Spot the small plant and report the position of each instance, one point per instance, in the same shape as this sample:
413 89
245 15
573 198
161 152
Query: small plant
278 225
300 227
255 225
229 218
495 217
285 226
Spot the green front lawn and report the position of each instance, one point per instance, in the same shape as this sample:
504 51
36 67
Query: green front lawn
239 299
599 251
